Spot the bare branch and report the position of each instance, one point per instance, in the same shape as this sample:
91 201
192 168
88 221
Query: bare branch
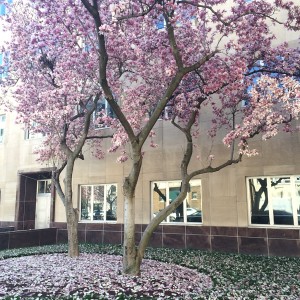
211 169
201 62
271 71
79 115
233 20
98 137
140 14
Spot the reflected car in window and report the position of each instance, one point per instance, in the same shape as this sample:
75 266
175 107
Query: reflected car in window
195 217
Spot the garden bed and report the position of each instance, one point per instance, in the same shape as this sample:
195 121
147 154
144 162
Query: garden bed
48 273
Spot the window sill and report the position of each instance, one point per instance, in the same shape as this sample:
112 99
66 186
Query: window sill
98 221
266 226
181 223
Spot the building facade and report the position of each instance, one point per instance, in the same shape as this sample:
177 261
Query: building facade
252 207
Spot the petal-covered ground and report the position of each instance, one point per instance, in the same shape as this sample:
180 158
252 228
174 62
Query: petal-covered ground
233 276
57 275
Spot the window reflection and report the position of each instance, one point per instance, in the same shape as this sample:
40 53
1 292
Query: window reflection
282 200
111 202
273 200
85 197
297 196
98 202
194 202
44 186
164 192
259 201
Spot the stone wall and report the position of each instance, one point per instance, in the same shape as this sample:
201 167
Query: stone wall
27 238
258 241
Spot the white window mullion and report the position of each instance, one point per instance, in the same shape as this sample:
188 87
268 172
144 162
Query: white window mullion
104 201
167 198
270 202
106 108
92 203
2 123
249 200
294 200
152 202
184 210
179 215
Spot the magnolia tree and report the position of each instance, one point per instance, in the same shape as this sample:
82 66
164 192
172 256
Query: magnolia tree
148 56
53 99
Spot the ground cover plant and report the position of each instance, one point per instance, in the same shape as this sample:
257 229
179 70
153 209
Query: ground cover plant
47 273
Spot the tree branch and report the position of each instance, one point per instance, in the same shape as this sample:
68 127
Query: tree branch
265 70
158 191
91 9
141 14
173 44
103 59
233 20
98 137
211 169
56 181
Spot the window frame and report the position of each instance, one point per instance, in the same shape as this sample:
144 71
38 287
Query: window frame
108 112
167 221
271 205
4 57
46 187
29 134
2 127
105 204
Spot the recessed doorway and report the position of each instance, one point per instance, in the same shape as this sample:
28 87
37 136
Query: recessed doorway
35 200
43 204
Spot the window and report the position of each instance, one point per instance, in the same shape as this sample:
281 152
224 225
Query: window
98 202
160 23
164 192
1 62
30 133
3 66
3 55
274 200
166 114
44 186
103 111
194 196
2 124
245 103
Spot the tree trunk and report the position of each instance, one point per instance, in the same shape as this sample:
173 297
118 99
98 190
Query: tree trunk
72 226
129 247
72 215
154 223
130 266
133 255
